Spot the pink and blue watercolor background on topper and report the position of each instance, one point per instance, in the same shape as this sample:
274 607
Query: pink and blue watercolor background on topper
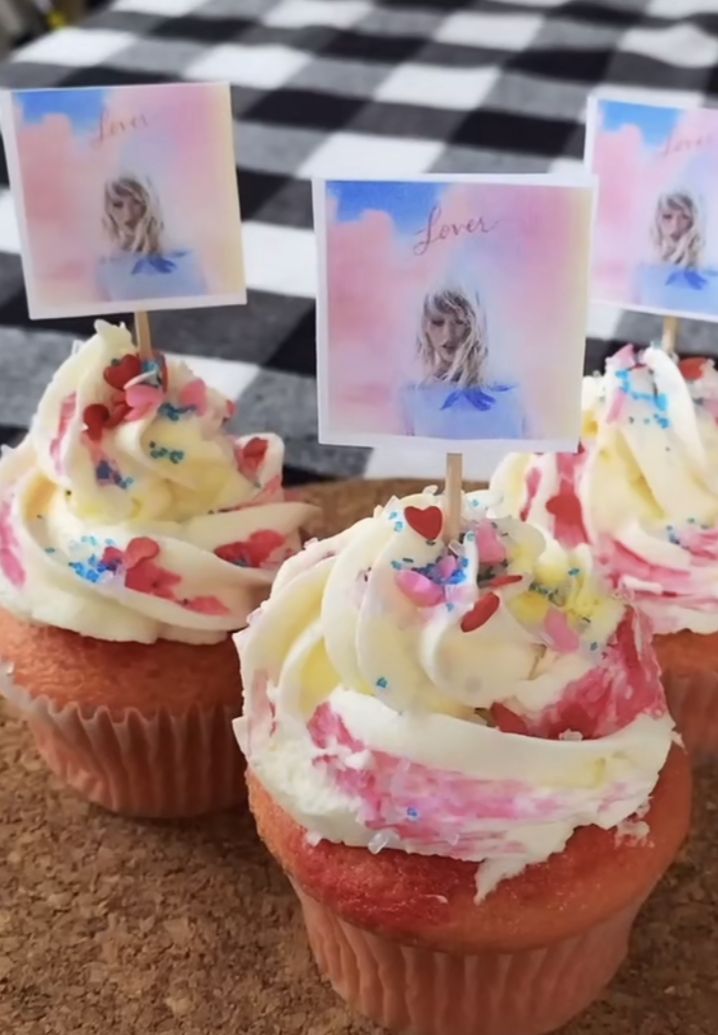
126 197
452 310
656 238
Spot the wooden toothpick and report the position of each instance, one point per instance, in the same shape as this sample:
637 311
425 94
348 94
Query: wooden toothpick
143 335
670 334
452 493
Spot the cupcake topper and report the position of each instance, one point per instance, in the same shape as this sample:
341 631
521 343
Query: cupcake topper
451 311
656 241
128 219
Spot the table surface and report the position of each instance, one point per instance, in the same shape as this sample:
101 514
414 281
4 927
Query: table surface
359 87
114 925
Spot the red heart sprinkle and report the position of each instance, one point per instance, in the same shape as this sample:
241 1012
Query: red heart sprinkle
506 720
141 548
692 367
95 418
427 522
480 613
118 374
504 580
253 552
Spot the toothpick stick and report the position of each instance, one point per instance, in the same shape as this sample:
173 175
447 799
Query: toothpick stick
143 335
452 492
670 334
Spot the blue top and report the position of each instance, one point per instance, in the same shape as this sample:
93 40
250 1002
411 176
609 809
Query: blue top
665 286
128 276
439 410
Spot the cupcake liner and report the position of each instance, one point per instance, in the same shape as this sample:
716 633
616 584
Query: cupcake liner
693 703
418 991
156 766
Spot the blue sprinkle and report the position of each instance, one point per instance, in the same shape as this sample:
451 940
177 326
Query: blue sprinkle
393 516
574 571
84 572
396 565
176 456
475 503
661 402
450 606
470 537
398 526
464 562
50 549
412 813
103 471
382 682
174 413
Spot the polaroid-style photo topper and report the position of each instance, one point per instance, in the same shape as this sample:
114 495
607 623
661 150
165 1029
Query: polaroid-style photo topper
452 309
656 237
126 197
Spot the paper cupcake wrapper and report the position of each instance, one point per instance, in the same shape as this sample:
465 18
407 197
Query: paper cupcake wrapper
693 702
416 990
156 766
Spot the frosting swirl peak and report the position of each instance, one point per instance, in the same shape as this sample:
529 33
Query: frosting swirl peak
643 490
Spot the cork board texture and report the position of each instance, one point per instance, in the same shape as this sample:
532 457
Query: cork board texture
109 925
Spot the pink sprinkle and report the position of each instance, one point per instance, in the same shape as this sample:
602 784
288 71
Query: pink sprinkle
491 548
419 589
195 394
143 399
447 566
564 638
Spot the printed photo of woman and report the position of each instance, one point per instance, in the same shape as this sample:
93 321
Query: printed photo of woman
678 277
455 396
140 263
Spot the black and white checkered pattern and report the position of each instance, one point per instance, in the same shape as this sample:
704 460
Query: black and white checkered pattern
349 87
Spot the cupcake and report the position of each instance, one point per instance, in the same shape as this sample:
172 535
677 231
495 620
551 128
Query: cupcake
135 535
462 758
643 491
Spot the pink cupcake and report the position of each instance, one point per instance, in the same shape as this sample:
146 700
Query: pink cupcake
135 535
461 756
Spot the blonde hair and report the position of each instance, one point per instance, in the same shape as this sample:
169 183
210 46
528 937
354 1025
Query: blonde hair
468 364
687 250
144 236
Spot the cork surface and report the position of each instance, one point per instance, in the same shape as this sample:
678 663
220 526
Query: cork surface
115 926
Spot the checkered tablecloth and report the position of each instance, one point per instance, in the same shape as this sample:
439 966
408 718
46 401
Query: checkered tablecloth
349 87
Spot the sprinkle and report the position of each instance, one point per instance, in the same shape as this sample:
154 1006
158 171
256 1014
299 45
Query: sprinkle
50 549
382 682
396 565
398 526
412 813
174 413
408 560
574 571
594 645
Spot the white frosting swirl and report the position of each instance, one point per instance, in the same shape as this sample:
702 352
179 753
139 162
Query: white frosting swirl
128 513
478 700
644 489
